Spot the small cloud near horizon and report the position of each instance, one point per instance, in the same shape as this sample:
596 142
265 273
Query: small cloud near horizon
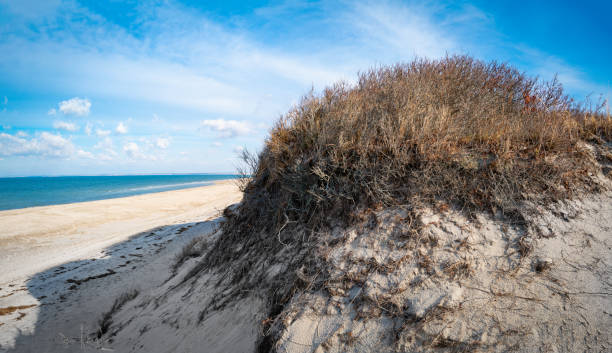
44 145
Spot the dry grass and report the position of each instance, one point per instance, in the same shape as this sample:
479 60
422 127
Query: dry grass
191 250
478 135
11 309
107 319
456 132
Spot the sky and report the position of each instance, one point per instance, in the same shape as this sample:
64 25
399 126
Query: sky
129 87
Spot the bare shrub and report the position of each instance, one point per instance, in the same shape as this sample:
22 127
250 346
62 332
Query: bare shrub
246 169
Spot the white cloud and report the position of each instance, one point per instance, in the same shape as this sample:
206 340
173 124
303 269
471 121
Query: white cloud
106 146
548 67
238 149
85 154
21 134
5 100
106 142
75 106
52 111
102 133
121 128
132 150
402 30
45 144
62 125
228 128
162 142
88 129
216 144
105 157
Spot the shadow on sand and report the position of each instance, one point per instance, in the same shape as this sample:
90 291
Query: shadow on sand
74 296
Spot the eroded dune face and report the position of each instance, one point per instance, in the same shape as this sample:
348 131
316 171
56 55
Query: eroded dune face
464 285
461 284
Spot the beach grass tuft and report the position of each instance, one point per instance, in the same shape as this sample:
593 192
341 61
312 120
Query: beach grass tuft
106 321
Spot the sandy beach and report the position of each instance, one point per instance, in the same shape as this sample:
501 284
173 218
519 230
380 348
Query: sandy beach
55 259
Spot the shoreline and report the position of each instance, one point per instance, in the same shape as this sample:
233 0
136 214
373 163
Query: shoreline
137 191
48 252
102 222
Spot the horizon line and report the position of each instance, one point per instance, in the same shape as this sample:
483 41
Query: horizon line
95 175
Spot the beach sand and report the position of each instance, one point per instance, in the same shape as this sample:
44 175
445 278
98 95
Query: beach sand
63 265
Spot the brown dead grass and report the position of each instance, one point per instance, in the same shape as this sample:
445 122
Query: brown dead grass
11 309
474 134
456 132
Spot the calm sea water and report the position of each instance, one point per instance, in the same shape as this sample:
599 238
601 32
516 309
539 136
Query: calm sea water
41 191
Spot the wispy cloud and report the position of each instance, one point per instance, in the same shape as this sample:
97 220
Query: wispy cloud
406 30
105 143
63 125
102 133
85 154
45 144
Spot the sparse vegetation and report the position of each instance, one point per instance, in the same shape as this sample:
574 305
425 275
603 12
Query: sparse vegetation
107 318
191 250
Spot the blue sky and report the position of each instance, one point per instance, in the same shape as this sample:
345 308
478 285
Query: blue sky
121 87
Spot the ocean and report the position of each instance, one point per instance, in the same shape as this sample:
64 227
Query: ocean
41 191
